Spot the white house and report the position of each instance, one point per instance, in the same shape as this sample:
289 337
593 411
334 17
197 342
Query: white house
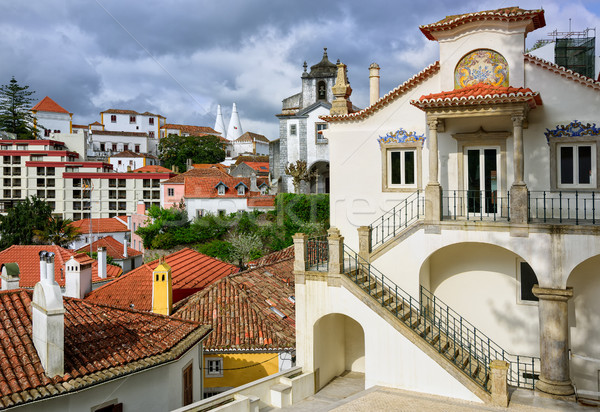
127 160
51 118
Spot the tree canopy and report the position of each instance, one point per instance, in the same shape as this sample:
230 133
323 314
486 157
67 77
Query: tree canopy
175 150
58 231
15 110
18 225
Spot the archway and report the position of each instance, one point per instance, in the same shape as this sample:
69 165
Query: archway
482 283
339 346
319 181
584 318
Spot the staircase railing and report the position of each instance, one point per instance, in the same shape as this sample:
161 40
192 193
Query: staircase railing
564 206
438 317
397 219
523 370
317 254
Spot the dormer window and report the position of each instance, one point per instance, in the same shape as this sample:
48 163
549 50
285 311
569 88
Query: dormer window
263 189
221 190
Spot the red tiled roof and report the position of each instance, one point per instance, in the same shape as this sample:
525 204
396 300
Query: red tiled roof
190 271
213 171
114 248
265 201
287 253
206 186
28 259
399 91
259 166
563 72
79 126
210 166
96 123
249 137
192 130
152 169
120 111
507 14
100 225
100 342
49 105
479 93
249 310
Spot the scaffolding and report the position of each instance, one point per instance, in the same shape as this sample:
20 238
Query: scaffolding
576 51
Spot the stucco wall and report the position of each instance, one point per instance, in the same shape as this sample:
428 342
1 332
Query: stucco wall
242 368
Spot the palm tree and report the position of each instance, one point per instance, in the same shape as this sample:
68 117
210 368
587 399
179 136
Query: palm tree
58 232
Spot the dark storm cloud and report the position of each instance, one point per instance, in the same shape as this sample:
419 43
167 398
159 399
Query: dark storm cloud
184 57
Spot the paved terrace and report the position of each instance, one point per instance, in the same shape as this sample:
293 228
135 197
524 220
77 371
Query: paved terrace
346 394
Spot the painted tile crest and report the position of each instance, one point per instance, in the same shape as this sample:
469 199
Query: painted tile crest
573 129
481 66
401 136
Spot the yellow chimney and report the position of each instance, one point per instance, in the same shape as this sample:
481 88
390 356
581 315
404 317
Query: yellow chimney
162 289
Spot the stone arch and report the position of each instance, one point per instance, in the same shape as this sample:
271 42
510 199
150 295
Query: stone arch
338 345
481 282
584 317
481 66
319 181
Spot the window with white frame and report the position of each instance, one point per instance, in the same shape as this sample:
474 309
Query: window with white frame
401 168
170 191
213 367
293 130
319 127
241 190
221 190
576 165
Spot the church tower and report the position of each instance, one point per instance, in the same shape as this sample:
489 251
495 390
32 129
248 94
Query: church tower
317 84
162 289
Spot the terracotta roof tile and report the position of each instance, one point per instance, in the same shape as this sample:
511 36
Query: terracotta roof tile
152 169
283 254
203 187
265 201
478 94
100 225
563 72
251 310
399 91
100 343
120 111
28 259
259 166
49 105
505 14
192 130
249 137
114 248
191 271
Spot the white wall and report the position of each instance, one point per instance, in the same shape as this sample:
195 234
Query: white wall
213 205
53 121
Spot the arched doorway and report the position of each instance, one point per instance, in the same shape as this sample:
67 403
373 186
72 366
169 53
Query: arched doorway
584 318
319 181
490 287
339 346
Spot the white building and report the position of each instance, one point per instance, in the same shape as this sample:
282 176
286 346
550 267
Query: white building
51 118
127 161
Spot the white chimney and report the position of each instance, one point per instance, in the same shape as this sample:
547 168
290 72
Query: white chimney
78 277
374 82
102 262
10 276
253 186
125 248
48 322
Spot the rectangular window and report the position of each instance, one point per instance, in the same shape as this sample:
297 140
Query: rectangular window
151 134
527 279
170 191
319 131
47 132
102 147
577 165
151 120
131 119
113 118
114 147
401 168
213 367
293 130
125 146
188 385
137 148
7 171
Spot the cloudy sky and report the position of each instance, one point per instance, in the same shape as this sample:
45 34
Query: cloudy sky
182 58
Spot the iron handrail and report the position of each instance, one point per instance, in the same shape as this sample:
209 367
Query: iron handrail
317 253
475 205
566 206
437 317
397 219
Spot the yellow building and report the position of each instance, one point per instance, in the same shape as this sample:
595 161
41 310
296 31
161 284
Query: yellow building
253 318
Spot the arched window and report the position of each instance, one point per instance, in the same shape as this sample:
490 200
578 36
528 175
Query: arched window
481 66
322 90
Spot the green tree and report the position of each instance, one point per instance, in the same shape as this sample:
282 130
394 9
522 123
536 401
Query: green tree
58 232
175 150
15 113
18 225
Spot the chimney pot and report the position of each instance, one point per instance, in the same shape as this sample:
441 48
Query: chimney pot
374 82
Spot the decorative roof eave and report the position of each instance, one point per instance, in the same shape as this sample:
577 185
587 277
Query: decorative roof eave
533 99
506 15
221 183
241 184
562 71
389 97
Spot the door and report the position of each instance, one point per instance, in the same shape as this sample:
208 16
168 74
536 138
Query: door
482 180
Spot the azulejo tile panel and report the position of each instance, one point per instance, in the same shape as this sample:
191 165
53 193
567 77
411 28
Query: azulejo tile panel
573 129
481 66
401 136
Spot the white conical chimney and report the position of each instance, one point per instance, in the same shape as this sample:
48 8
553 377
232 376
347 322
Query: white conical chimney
235 127
220 123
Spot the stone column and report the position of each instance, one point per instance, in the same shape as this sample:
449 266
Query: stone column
554 341
499 373
518 190
364 242
336 252
300 251
433 190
